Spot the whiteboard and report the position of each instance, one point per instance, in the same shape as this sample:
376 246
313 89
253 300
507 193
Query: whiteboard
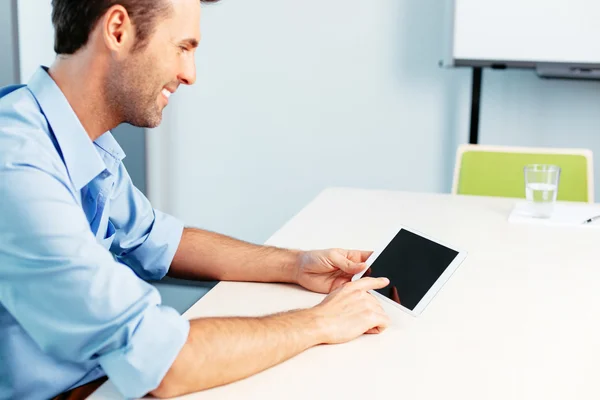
525 32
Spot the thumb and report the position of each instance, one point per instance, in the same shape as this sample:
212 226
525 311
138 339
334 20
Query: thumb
355 268
345 264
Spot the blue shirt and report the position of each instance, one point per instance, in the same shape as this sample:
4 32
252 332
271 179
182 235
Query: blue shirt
77 240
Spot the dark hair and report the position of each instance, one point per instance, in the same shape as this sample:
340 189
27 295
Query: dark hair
74 20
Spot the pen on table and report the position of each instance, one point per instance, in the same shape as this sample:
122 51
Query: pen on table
592 219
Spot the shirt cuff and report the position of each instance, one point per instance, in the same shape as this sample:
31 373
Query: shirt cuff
139 367
152 259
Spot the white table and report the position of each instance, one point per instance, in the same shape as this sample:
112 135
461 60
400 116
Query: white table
517 320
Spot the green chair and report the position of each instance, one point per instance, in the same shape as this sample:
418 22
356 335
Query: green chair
498 171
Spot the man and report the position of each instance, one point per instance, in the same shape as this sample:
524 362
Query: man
77 239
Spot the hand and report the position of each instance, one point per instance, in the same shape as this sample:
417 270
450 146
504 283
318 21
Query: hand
323 271
392 292
351 311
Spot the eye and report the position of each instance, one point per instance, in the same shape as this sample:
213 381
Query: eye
183 49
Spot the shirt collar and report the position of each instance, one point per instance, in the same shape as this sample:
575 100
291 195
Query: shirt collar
111 153
79 153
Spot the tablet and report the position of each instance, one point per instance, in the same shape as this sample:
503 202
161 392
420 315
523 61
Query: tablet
416 265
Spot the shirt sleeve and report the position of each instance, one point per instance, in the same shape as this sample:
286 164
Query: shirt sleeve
69 294
146 239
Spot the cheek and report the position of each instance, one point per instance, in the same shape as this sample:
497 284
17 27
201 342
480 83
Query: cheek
151 67
162 72
156 68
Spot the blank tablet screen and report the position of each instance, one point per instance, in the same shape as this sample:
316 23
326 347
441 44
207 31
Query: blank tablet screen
413 264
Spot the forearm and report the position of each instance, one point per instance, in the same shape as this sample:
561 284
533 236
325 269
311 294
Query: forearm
223 350
211 256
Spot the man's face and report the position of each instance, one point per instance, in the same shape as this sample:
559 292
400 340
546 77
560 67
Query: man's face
139 86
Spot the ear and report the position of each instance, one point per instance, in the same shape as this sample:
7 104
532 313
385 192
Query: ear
117 30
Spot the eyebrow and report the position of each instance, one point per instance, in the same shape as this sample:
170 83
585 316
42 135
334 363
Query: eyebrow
193 43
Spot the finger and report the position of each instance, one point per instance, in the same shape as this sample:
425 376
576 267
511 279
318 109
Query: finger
364 255
343 263
369 283
382 323
375 331
339 282
357 255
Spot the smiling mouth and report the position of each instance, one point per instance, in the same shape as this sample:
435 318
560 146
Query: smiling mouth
166 93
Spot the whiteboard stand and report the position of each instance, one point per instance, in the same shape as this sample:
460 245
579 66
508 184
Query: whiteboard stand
475 104
556 39
563 71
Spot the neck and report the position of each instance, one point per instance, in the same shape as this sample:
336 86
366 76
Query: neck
81 81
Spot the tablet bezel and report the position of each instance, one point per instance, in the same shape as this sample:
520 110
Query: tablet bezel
434 289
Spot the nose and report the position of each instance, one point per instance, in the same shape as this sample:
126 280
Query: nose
187 76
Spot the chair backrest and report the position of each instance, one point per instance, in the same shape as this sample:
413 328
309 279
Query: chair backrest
498 171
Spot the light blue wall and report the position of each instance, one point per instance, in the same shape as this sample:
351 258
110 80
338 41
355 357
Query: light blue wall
36 36
293 97
9 66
